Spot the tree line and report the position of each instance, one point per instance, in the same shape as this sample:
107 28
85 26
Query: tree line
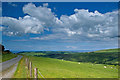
3 51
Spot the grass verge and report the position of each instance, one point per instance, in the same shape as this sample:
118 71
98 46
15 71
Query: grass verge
5 57
21 71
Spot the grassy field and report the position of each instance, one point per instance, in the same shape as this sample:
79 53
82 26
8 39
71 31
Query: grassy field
109 56
5 57
32 53
55 68
108 50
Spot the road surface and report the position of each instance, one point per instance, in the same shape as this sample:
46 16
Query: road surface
4 66
9 63
9 72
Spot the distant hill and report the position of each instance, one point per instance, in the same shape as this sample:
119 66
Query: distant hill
107 56
109 50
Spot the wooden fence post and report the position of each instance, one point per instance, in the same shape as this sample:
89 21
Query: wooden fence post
30 69
28 64
26 61
35 73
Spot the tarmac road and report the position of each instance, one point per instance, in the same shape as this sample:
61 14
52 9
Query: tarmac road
9 63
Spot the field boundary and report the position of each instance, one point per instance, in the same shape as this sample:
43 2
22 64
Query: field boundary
31 69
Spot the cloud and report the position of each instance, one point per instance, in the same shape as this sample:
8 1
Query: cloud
27 24
43 14
37 20
91 24
45 4
49 37
85 25
82 25
20 40
1 28
14 5
0 11
36 38
69 47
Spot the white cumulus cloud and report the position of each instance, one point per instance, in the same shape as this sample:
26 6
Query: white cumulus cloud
45 4
82 25
43 14
27 24
91 24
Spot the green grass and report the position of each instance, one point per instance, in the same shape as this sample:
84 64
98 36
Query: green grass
55 68
5 57
21 71
109 56
109 50
51 64
32 53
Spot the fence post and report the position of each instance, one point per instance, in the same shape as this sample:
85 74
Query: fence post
35 73
30 69
26 61
28 64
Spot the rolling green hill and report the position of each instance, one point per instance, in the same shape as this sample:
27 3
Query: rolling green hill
109 56
97 64
109 50
55 68
7 56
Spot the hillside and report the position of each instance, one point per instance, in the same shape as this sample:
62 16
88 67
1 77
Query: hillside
5 54
109 56
109 50
55 68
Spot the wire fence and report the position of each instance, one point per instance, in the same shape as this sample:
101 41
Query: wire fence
34 69
41 74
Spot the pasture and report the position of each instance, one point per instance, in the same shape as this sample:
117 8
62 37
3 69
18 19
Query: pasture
56 68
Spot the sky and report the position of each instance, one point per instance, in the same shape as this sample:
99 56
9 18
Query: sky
59 26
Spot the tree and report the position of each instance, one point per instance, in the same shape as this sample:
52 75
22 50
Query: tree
7 51
2 48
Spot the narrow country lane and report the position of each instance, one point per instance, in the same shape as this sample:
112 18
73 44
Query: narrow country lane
8 64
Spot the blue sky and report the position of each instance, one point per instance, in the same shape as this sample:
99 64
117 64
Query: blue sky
59 26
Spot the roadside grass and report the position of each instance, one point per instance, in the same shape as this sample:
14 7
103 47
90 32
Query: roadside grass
21 71
5 57
55 68
0 57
